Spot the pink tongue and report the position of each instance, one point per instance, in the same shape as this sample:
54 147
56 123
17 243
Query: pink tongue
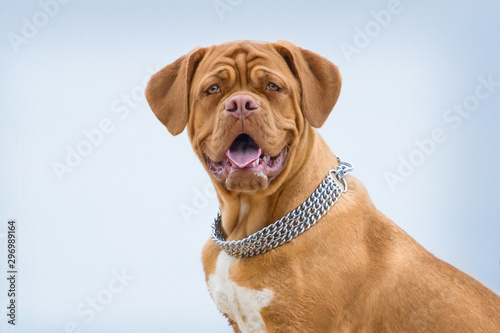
243 152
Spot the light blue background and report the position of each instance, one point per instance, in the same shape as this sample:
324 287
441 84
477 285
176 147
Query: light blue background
120 209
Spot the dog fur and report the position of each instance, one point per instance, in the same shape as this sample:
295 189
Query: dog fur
355 270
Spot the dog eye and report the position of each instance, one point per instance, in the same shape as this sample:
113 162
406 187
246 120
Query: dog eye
215 89
272 87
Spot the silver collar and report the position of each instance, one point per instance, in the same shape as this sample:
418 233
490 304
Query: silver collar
292 224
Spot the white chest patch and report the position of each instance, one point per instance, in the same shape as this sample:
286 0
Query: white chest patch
241 304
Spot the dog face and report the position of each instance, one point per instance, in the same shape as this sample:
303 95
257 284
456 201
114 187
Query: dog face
246 105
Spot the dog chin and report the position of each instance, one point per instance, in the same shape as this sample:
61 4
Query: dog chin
246 181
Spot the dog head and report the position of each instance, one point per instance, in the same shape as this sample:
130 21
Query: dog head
246 105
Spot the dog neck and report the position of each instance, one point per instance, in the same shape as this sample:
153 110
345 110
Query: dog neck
246 213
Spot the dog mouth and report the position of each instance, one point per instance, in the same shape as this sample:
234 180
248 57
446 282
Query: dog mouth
245 156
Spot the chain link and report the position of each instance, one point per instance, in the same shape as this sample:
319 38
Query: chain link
292 224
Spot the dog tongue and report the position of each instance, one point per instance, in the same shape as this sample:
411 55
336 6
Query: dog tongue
243 151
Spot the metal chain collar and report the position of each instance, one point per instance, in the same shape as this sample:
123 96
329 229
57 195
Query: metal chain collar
292 224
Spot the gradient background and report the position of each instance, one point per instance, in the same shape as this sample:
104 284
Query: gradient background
120 209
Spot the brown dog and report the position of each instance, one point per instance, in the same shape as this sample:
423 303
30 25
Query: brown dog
250 109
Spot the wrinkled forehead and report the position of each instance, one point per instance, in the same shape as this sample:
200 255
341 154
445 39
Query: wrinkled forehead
241 59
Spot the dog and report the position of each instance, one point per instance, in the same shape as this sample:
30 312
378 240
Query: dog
298 246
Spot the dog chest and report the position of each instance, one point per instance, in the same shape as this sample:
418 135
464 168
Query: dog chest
240 304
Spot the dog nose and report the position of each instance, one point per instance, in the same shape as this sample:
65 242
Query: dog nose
241 106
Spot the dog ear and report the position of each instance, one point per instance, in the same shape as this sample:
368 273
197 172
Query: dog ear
319 79
168 91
